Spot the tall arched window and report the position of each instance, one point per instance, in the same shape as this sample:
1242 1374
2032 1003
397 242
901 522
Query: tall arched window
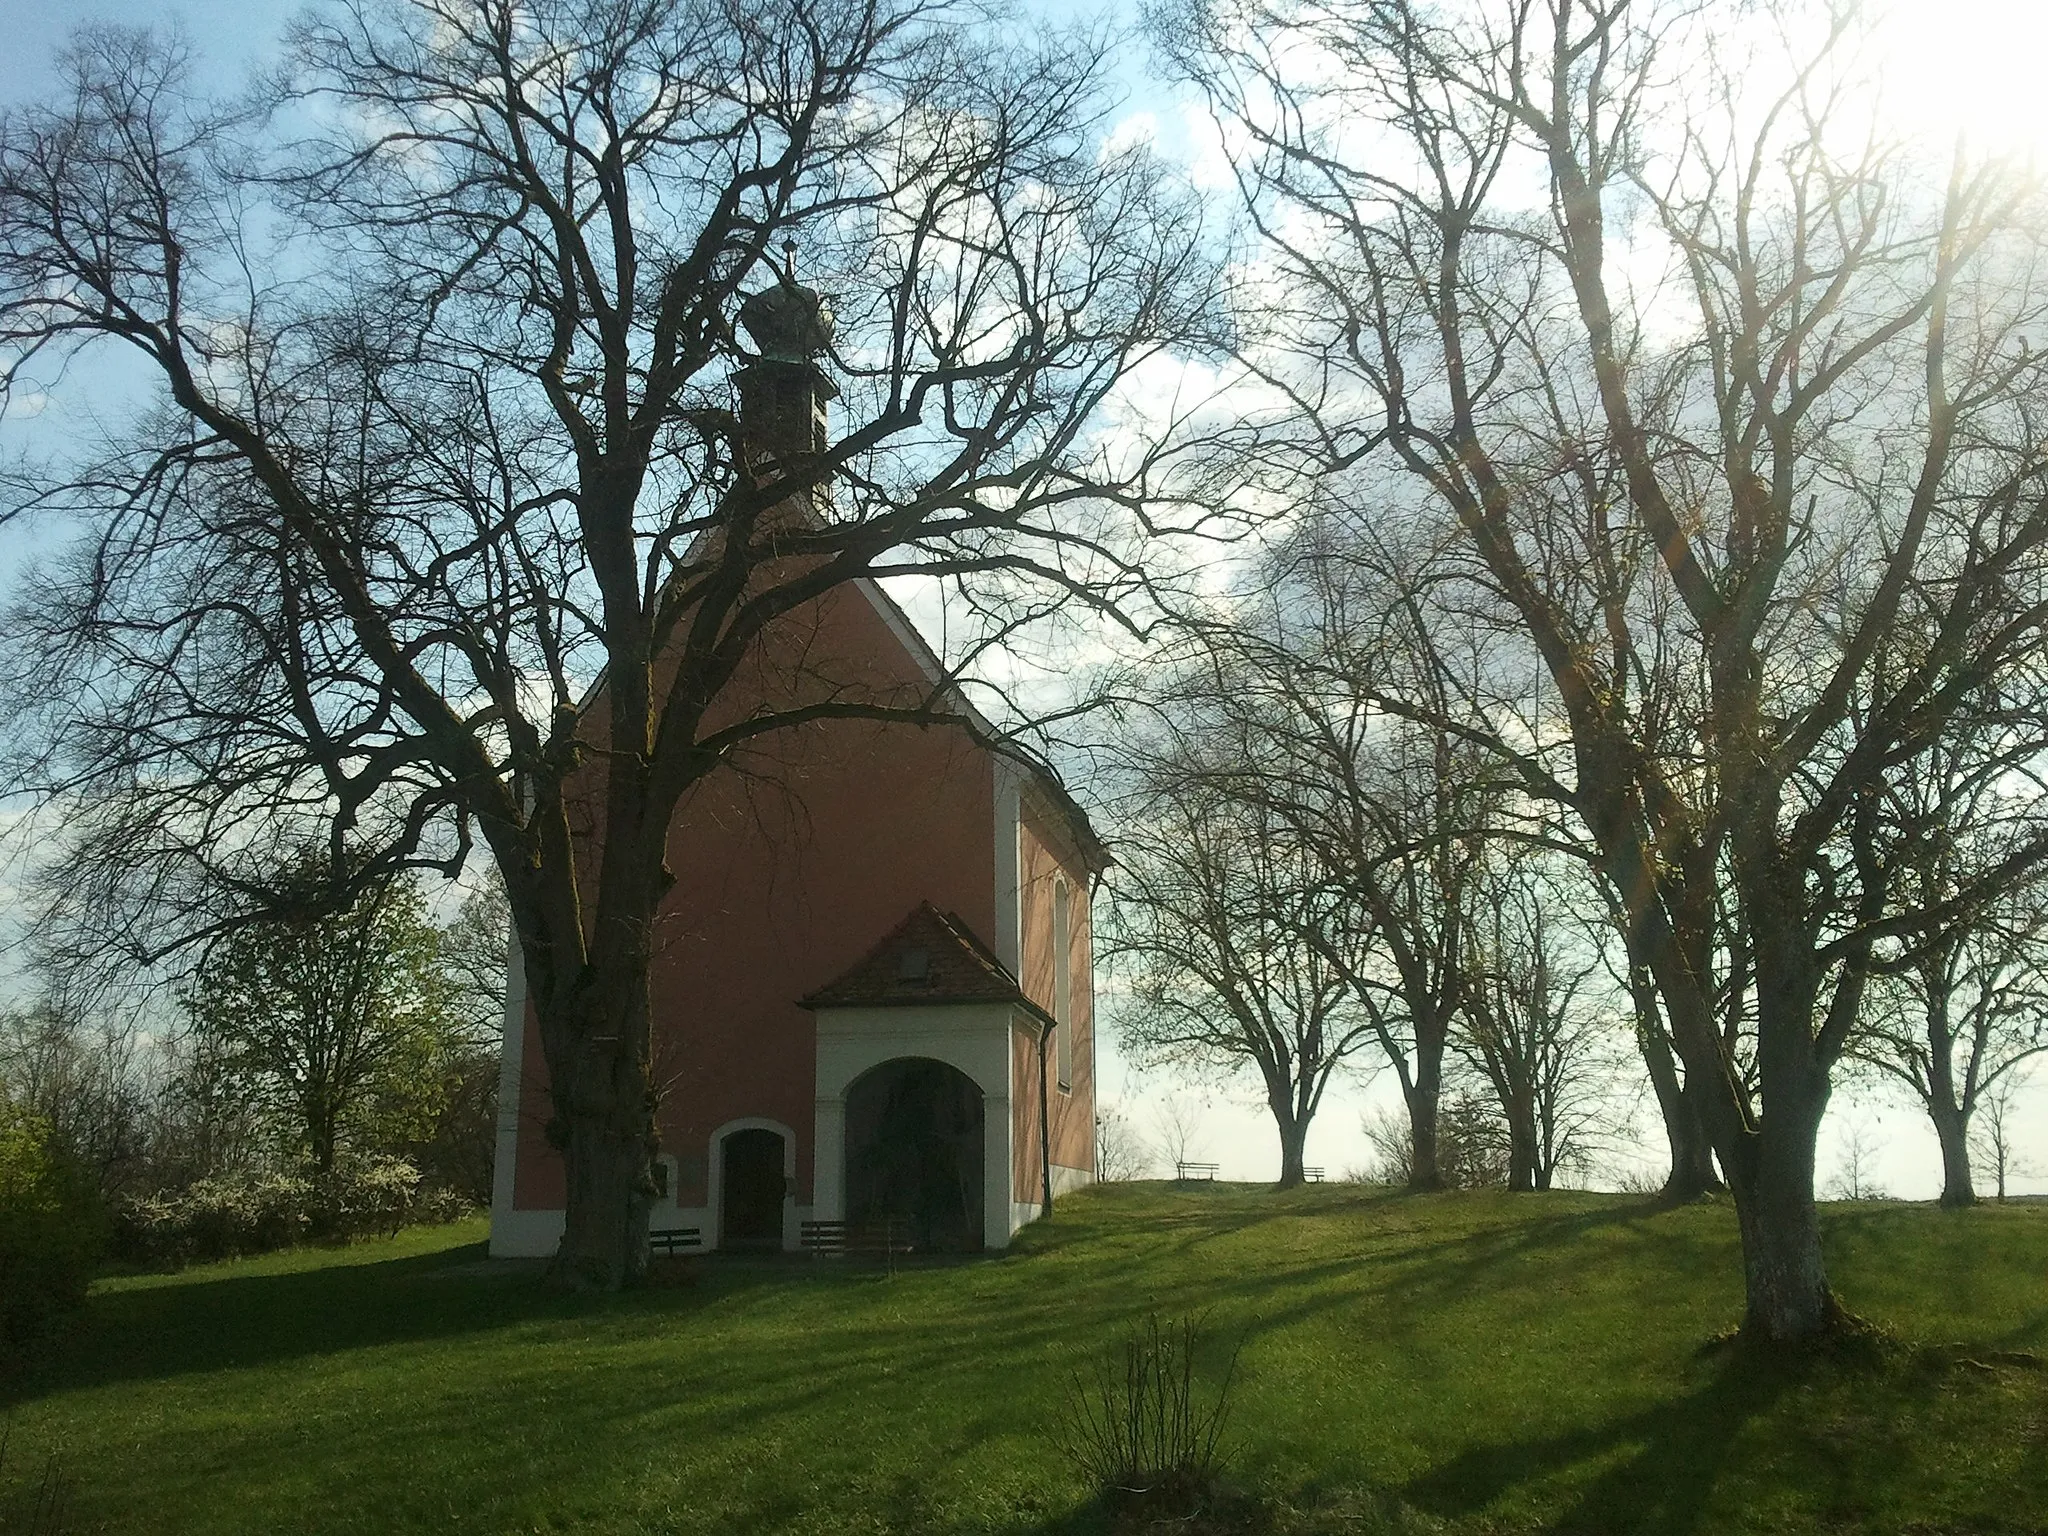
1063 979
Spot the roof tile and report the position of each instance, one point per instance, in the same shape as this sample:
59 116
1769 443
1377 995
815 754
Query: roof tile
930 957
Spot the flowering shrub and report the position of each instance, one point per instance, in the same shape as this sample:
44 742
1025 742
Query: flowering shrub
362 1196
256 1211
215 1218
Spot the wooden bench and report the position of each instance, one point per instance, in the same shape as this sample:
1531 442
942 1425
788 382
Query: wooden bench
1313 1175
669 1241
859 1239
1187 1171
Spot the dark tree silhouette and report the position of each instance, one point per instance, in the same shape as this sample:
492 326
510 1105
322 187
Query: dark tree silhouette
1223 925
445 343
1699 513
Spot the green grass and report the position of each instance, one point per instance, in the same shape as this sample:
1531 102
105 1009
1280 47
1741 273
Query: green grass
1495 1363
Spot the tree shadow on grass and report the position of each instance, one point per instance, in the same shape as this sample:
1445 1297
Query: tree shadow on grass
1203 1206
1666 1469
1492 1238
1428 1271
234 1321
1842 1454
1671 1456
1420 1272
2032 1334
606 1398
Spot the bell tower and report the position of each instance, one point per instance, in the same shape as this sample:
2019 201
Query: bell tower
783 391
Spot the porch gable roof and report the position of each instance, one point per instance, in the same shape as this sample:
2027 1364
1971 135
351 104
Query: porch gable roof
930 957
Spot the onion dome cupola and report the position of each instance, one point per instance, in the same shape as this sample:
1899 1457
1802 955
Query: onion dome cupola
783 390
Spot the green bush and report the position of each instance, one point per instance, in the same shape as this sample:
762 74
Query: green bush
52 1234
257 1211
217 1218
362 1197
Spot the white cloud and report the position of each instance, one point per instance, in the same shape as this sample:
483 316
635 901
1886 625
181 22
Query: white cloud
1130 131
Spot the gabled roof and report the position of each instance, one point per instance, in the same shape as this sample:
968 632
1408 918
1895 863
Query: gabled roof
1060 800
1094 854
930 957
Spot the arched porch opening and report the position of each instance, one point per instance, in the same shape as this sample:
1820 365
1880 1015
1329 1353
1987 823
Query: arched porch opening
915 1153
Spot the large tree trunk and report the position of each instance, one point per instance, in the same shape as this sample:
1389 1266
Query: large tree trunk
604 1127
1952 1129
1771 1176
1680 1103
1522 1160
1784 1273
596 1013
1423 1171
610 1191
1768 1158
1951 1119
1293 1139
1692 1163
322 1137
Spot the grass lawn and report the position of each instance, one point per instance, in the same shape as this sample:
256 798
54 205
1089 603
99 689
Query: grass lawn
1493 1363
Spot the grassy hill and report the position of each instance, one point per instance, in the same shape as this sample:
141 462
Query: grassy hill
1491 1363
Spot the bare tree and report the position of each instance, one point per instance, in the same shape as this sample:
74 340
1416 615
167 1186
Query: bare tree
1995 1145
1696 508
1856 1169
472 954
1121 1151
88 1083
1213 918
1963 1004
202 1122
1394 812
1680 1094
1177 1120
460 1152
1533 1029
1390 1151
446 344
1471 1142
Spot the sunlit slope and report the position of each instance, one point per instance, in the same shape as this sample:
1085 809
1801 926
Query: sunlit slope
1493 1363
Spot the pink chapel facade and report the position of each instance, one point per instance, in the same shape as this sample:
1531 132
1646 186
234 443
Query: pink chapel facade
873 990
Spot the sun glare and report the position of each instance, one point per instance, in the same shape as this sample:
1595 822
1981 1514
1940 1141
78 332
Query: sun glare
1971 68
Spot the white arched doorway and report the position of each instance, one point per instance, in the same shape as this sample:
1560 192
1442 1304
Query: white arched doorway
915 1145
752 1187
973 1039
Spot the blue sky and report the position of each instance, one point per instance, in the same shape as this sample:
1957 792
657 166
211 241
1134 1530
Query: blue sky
230 38
231 34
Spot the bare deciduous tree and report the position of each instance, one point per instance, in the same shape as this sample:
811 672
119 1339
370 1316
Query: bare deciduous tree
1393 814
1698 507
1995 1145
1963 1004
1221 923
88 1084
473 949
1471 1142
1856 1168
1679 1094
445 346
1177 1120
1121 1151
1533 1029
